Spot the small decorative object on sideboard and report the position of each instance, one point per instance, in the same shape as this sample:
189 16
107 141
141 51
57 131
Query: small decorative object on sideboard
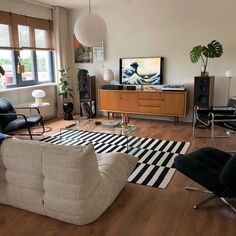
66 93
212 50
124 120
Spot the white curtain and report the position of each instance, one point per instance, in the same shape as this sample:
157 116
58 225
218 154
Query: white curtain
62 43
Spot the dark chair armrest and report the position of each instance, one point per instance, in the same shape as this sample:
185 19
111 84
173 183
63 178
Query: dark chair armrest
29 108
13 114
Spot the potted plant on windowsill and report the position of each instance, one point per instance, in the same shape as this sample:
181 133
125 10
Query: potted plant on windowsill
212 50
66 94
2 71
2 79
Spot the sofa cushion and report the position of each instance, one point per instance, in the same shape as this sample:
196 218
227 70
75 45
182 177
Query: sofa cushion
78 187
21 163
68 183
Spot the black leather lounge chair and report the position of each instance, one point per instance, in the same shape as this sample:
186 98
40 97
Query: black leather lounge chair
11 121
214 169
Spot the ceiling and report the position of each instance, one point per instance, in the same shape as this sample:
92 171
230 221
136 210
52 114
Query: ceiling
78 3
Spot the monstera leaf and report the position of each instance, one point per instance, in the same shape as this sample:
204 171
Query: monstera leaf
213 49
196 53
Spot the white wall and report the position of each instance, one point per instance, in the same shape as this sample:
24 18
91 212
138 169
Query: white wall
168 28
23 8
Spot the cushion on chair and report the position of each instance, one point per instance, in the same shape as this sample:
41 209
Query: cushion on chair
228 175
6 107
204 166
15 125
33 119
20 123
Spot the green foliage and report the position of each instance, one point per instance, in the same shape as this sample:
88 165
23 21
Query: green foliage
65 91
2 71
5 61
41 64
27 62
64 72
212 50
196 53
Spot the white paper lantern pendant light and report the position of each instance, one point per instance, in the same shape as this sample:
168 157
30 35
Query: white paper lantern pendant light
90 29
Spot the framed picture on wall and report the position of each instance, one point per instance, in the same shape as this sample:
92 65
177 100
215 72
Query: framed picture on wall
82 54
98 52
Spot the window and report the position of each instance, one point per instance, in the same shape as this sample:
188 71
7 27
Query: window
7 62
4 35
26 42
44 60
41 38
26 58
24 35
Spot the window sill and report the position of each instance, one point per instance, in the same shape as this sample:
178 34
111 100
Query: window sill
38 86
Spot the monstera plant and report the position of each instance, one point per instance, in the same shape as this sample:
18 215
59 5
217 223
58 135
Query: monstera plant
212 50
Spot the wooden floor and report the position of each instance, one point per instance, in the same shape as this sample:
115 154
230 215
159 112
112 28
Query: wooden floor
140 210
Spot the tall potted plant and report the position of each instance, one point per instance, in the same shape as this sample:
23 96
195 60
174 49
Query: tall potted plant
212 50
66 94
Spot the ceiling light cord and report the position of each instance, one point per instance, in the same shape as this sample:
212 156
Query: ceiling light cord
89 7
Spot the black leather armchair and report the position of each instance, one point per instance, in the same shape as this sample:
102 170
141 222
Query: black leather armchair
11 121
214 169
219 115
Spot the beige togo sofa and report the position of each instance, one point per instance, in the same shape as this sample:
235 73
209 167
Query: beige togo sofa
64 182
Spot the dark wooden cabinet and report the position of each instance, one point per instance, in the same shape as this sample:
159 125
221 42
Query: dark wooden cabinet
87 94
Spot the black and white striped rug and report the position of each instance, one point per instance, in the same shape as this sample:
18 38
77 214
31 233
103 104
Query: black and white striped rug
156 157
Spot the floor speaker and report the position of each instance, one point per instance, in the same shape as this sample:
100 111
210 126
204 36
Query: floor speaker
204 91
87 88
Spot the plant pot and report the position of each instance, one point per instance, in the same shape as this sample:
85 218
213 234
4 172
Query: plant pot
68 108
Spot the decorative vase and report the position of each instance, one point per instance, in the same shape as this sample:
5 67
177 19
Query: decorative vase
68 108
204 71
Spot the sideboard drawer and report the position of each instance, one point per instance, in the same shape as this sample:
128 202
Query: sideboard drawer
150 95
149 110
149 102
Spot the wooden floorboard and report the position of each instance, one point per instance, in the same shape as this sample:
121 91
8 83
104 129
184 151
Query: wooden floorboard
141 210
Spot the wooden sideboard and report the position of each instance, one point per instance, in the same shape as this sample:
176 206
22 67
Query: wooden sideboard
159 103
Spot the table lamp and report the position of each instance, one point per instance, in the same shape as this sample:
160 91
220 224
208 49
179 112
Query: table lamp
38 94
108 75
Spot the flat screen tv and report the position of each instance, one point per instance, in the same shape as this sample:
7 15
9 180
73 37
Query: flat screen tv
141 71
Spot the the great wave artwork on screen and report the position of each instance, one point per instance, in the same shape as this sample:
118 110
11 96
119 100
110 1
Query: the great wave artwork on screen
143 71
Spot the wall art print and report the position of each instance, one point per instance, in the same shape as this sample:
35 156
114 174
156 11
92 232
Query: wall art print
82 54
